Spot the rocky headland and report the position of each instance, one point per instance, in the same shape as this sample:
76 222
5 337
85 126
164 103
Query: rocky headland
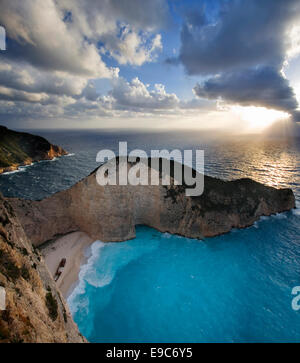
110 213
20 149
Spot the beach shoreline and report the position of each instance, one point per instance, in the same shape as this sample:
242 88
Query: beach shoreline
73 248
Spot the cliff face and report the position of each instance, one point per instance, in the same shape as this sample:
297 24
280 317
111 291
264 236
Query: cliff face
35 310
110 213
18 148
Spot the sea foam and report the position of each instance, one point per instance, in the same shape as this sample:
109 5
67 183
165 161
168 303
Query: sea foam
85 274
20 169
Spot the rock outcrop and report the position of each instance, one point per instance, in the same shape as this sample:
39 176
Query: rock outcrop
19 149
110 213
35 310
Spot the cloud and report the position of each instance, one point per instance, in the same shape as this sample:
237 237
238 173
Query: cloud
56 48
8 94
241 49
244 35
98 17
125 28
262 86
132 48
39 36
29 79
296 116
146 14
137 96
64 36
125 100
124 96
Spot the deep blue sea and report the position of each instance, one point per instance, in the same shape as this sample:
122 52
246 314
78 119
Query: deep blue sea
164 288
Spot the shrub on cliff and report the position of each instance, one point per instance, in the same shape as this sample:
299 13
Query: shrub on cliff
52 305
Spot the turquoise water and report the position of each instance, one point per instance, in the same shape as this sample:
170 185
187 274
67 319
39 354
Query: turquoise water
163 288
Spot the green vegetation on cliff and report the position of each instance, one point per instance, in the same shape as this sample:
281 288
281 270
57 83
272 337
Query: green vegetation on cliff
19 148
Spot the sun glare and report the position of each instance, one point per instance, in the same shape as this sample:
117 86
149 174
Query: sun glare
258 118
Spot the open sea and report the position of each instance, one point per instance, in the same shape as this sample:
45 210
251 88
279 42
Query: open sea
162 288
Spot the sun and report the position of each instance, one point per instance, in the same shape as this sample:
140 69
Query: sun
258 118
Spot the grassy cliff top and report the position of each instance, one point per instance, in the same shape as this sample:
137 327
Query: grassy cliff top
18 147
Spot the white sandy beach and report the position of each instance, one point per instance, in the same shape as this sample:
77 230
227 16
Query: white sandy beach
71 247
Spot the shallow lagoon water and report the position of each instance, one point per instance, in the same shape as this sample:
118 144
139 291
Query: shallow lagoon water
163 288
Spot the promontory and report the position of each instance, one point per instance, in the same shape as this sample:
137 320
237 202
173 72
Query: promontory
20 148
111 212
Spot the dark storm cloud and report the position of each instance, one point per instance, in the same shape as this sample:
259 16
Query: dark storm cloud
246 34
243 50
263 86
296 116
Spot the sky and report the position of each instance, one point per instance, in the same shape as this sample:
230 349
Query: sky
153 64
